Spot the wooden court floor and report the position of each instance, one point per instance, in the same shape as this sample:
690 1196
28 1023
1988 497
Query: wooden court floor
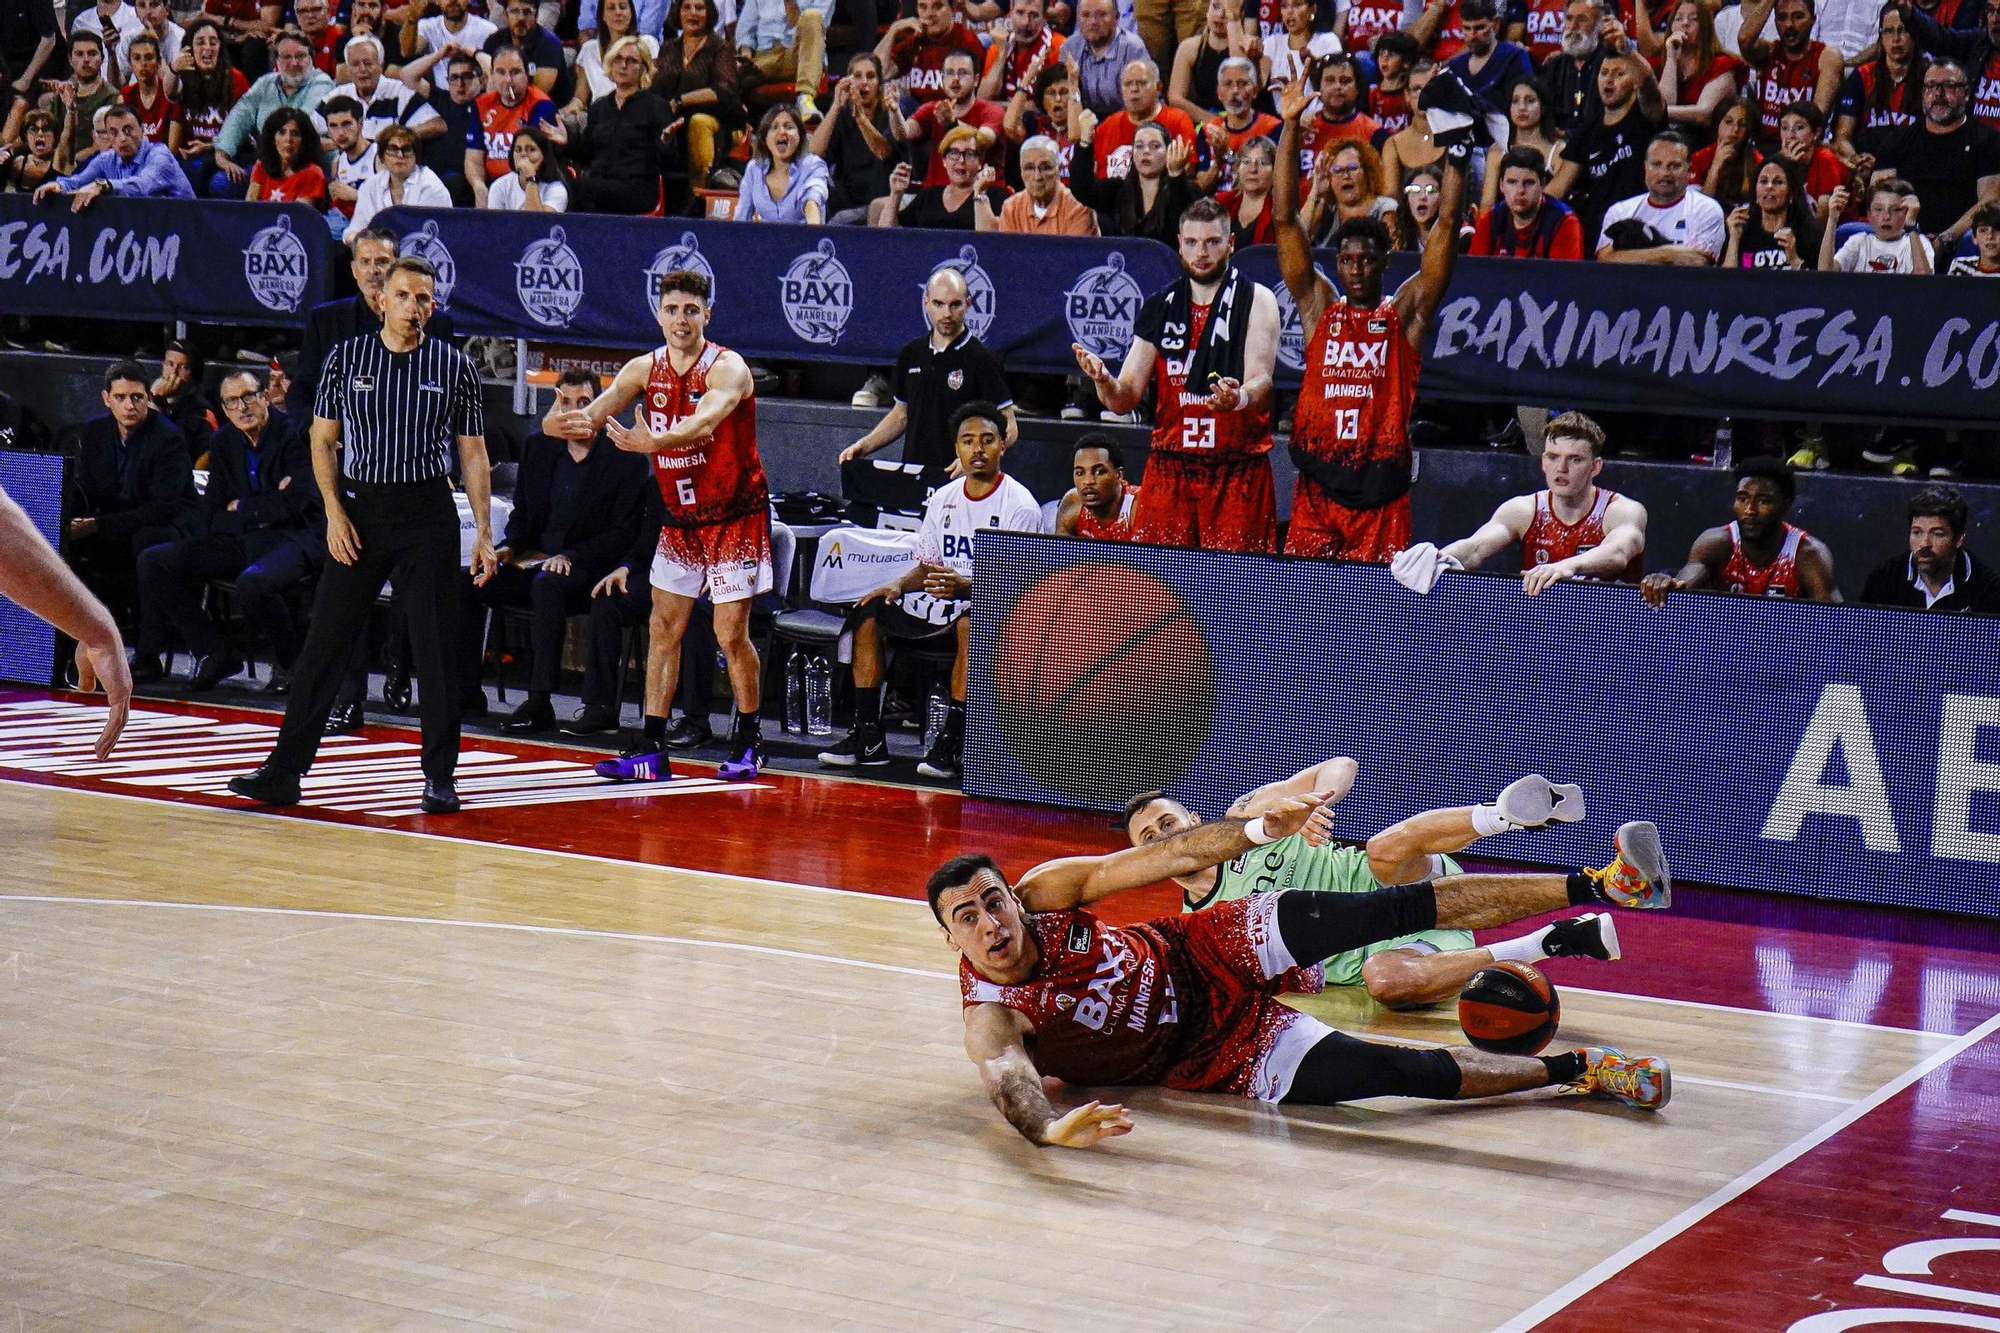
268 1073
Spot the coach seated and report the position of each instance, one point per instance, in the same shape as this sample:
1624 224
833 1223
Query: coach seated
1937 573
132 475
259 522
133 167
576 508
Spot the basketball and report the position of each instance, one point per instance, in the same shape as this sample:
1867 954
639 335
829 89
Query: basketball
1509 1009
1104 660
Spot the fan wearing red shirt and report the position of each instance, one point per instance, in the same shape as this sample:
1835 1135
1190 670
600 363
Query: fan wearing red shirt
1031 46
1798 143
916 48
957 106
513 103
159 115
1139 86
1795 68
326 37
1222 136
288 167
1389 100
1526 223
1439 30
1339 119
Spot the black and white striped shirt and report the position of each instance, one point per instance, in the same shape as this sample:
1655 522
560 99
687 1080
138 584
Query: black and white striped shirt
400 413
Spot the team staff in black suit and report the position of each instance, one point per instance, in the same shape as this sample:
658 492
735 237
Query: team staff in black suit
576 509
132 476
259 523
394 408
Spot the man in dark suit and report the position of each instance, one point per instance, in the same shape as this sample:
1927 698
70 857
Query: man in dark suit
177 393
576 510
259 522
132 475
1937 573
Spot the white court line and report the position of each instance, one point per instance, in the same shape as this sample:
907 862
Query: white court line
1756 1175
751 881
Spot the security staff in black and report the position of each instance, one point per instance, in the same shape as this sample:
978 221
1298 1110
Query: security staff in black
391 407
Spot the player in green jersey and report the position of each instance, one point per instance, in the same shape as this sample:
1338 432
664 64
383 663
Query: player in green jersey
1424 968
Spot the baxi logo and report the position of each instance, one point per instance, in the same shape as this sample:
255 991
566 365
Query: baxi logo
1101 307
675 258
817 295
978 290
548 279
424 244
276 267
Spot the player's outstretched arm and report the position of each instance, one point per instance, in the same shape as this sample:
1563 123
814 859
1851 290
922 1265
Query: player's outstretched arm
1310 292
1076 880
1624 541
628 384
1330 778
1508 524
1705 559
32 574
1420 297
994 1038
729 384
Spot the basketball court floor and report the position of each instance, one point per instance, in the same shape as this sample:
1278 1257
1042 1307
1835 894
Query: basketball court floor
688 1057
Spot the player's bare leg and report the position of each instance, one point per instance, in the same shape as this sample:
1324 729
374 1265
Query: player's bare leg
1340 1068
739 656
646 759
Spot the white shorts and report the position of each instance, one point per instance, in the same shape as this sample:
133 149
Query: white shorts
730 561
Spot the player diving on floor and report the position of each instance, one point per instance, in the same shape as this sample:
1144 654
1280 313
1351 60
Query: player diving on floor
1423 968
1191 1001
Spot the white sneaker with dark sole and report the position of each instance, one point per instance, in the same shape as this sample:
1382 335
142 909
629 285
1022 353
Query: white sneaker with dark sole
1592 935
1533 801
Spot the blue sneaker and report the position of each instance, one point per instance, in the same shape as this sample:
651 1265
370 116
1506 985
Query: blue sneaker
644 762
747 762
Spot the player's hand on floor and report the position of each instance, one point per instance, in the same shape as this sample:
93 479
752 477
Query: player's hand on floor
1088 1124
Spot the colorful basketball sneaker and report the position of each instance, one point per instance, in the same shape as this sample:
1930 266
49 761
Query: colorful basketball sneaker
644 762
746 760
1638 875
1643 1081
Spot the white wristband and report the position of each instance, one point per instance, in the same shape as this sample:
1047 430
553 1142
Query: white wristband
1254 830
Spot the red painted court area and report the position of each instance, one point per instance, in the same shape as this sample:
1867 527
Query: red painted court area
1893 1205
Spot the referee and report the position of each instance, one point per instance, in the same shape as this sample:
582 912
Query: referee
398 402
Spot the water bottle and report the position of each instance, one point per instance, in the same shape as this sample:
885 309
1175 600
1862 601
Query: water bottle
1725 445
819 696
935 713
795 693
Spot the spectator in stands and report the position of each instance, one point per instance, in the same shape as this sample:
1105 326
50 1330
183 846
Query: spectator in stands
785 183
384 102
784 41
1114 135
1099 504
536 183
1603 160
132 475
616 18
350 160
1197 63
1343 188
1775 229
857 141
1696 75
1758 553
35 161
1820 169
933 599
1146 202
249 25
1418 211
1238 122
577 506
1937 573
209 86
541 52
288 169
1892 243
258 522
1794 68
365 16
1984 262
1248 202
1401 68
159 115
79 98
132 168
456 101
621 141
1407 149
956 105
1045 207
178 396
1529 126
1031 46
510 105
1977 52
1669 223
1339 119
1952 160
698 80
967 201
1726 170
653 18
315 24
1883 92
1527 223
935 376
156 21
1302 44
294 83
1488 65
1572 73
400 183
110 21
453 25
914 49
1098 56
1045 107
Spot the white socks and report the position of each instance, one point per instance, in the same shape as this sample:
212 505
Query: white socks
1527 949
1487 821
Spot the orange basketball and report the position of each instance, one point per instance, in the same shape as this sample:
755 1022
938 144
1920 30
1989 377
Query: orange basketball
1509 1008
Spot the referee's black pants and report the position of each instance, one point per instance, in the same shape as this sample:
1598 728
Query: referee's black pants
408 531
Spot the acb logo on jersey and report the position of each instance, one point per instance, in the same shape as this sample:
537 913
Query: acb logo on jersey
1101 306
978 290
686 256
425 244
817 295
548 280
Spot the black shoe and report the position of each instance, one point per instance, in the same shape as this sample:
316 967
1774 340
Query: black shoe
440 798
689 733
863 748
267 786
146 669
280 681
944 760
594 720
344 720
473 704
1592 935
210 670
396 689
531 717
